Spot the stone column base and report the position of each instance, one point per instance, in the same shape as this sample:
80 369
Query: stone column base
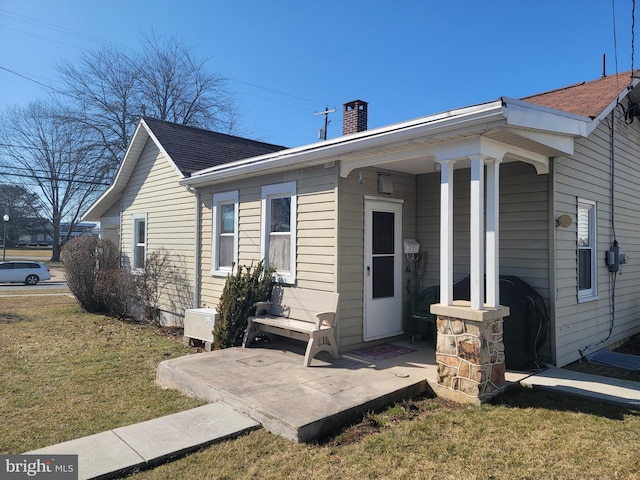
470 352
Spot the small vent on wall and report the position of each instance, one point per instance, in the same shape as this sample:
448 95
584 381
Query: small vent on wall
384 183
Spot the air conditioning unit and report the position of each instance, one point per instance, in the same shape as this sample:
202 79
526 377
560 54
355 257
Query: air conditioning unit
198 325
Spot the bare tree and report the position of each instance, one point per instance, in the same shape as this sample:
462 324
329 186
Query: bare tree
110 90
102 88
57 160
21 205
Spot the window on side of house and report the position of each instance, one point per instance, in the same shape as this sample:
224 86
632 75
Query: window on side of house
224 254
139 241
587 254
278 227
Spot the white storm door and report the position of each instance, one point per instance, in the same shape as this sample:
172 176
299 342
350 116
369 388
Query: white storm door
382 269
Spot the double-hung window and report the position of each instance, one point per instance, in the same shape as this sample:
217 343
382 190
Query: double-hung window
278 227
139 240
587 254
225 233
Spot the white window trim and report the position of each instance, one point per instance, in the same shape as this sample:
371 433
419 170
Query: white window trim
280 190
137 217
591 293
223 198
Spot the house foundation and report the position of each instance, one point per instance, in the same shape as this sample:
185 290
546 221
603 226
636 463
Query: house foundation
470 352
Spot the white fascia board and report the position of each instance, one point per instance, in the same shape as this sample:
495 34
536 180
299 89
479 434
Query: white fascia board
112 194
615 102
323 152
528 115
134 150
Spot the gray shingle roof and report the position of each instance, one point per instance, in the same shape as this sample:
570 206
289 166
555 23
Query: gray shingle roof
193 149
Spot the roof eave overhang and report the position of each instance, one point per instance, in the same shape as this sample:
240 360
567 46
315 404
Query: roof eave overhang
425 136
348 146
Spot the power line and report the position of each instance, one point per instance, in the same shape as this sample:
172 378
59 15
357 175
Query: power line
38 177
30 79
56 28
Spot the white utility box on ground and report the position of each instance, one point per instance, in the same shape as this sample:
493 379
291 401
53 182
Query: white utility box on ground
198 325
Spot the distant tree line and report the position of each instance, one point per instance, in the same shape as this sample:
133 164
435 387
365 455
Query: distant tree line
61 152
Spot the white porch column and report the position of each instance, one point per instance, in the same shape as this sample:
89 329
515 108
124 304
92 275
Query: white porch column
477 232
446 232
493 228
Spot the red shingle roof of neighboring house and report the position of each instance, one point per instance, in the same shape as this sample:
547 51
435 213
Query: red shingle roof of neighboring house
193 149
588 99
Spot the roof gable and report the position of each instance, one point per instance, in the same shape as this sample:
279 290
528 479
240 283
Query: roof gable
192 149
188 149
587 99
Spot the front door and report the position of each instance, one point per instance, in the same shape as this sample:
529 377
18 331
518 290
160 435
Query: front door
382 269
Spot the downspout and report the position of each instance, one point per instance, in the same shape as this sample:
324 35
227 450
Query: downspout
196 249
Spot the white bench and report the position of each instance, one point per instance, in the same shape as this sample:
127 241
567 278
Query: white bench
303 314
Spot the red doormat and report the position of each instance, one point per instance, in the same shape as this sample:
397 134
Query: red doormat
382 352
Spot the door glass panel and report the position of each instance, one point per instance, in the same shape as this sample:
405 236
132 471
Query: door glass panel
382 232
383 277
383 254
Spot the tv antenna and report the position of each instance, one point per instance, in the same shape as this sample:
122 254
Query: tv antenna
322 133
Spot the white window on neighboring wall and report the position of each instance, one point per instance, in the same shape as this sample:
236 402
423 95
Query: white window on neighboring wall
139 241
587 254
278 227
224 253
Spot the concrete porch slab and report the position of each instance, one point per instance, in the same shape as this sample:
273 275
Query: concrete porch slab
270 384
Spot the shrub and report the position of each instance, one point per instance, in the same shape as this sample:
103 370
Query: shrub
158 274
91 266
242 289
113 292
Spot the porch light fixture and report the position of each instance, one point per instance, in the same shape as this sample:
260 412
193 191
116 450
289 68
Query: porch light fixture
564 221
4 237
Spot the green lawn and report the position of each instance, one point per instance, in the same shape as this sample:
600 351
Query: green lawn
66 374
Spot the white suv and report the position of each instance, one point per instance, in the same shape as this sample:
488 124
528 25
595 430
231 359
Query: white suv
29 273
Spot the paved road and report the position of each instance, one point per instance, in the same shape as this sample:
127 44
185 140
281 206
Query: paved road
40 287
57 281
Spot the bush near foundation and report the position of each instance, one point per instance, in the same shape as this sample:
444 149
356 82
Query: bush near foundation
242 289
94 276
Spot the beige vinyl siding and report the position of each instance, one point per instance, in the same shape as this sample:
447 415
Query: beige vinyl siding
316 254
524 227
586 175
524 224
154 190
351 220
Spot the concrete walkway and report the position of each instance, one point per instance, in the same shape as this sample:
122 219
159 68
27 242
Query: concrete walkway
595 387
269 387
123 450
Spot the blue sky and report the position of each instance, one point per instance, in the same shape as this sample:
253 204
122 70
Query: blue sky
287 59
